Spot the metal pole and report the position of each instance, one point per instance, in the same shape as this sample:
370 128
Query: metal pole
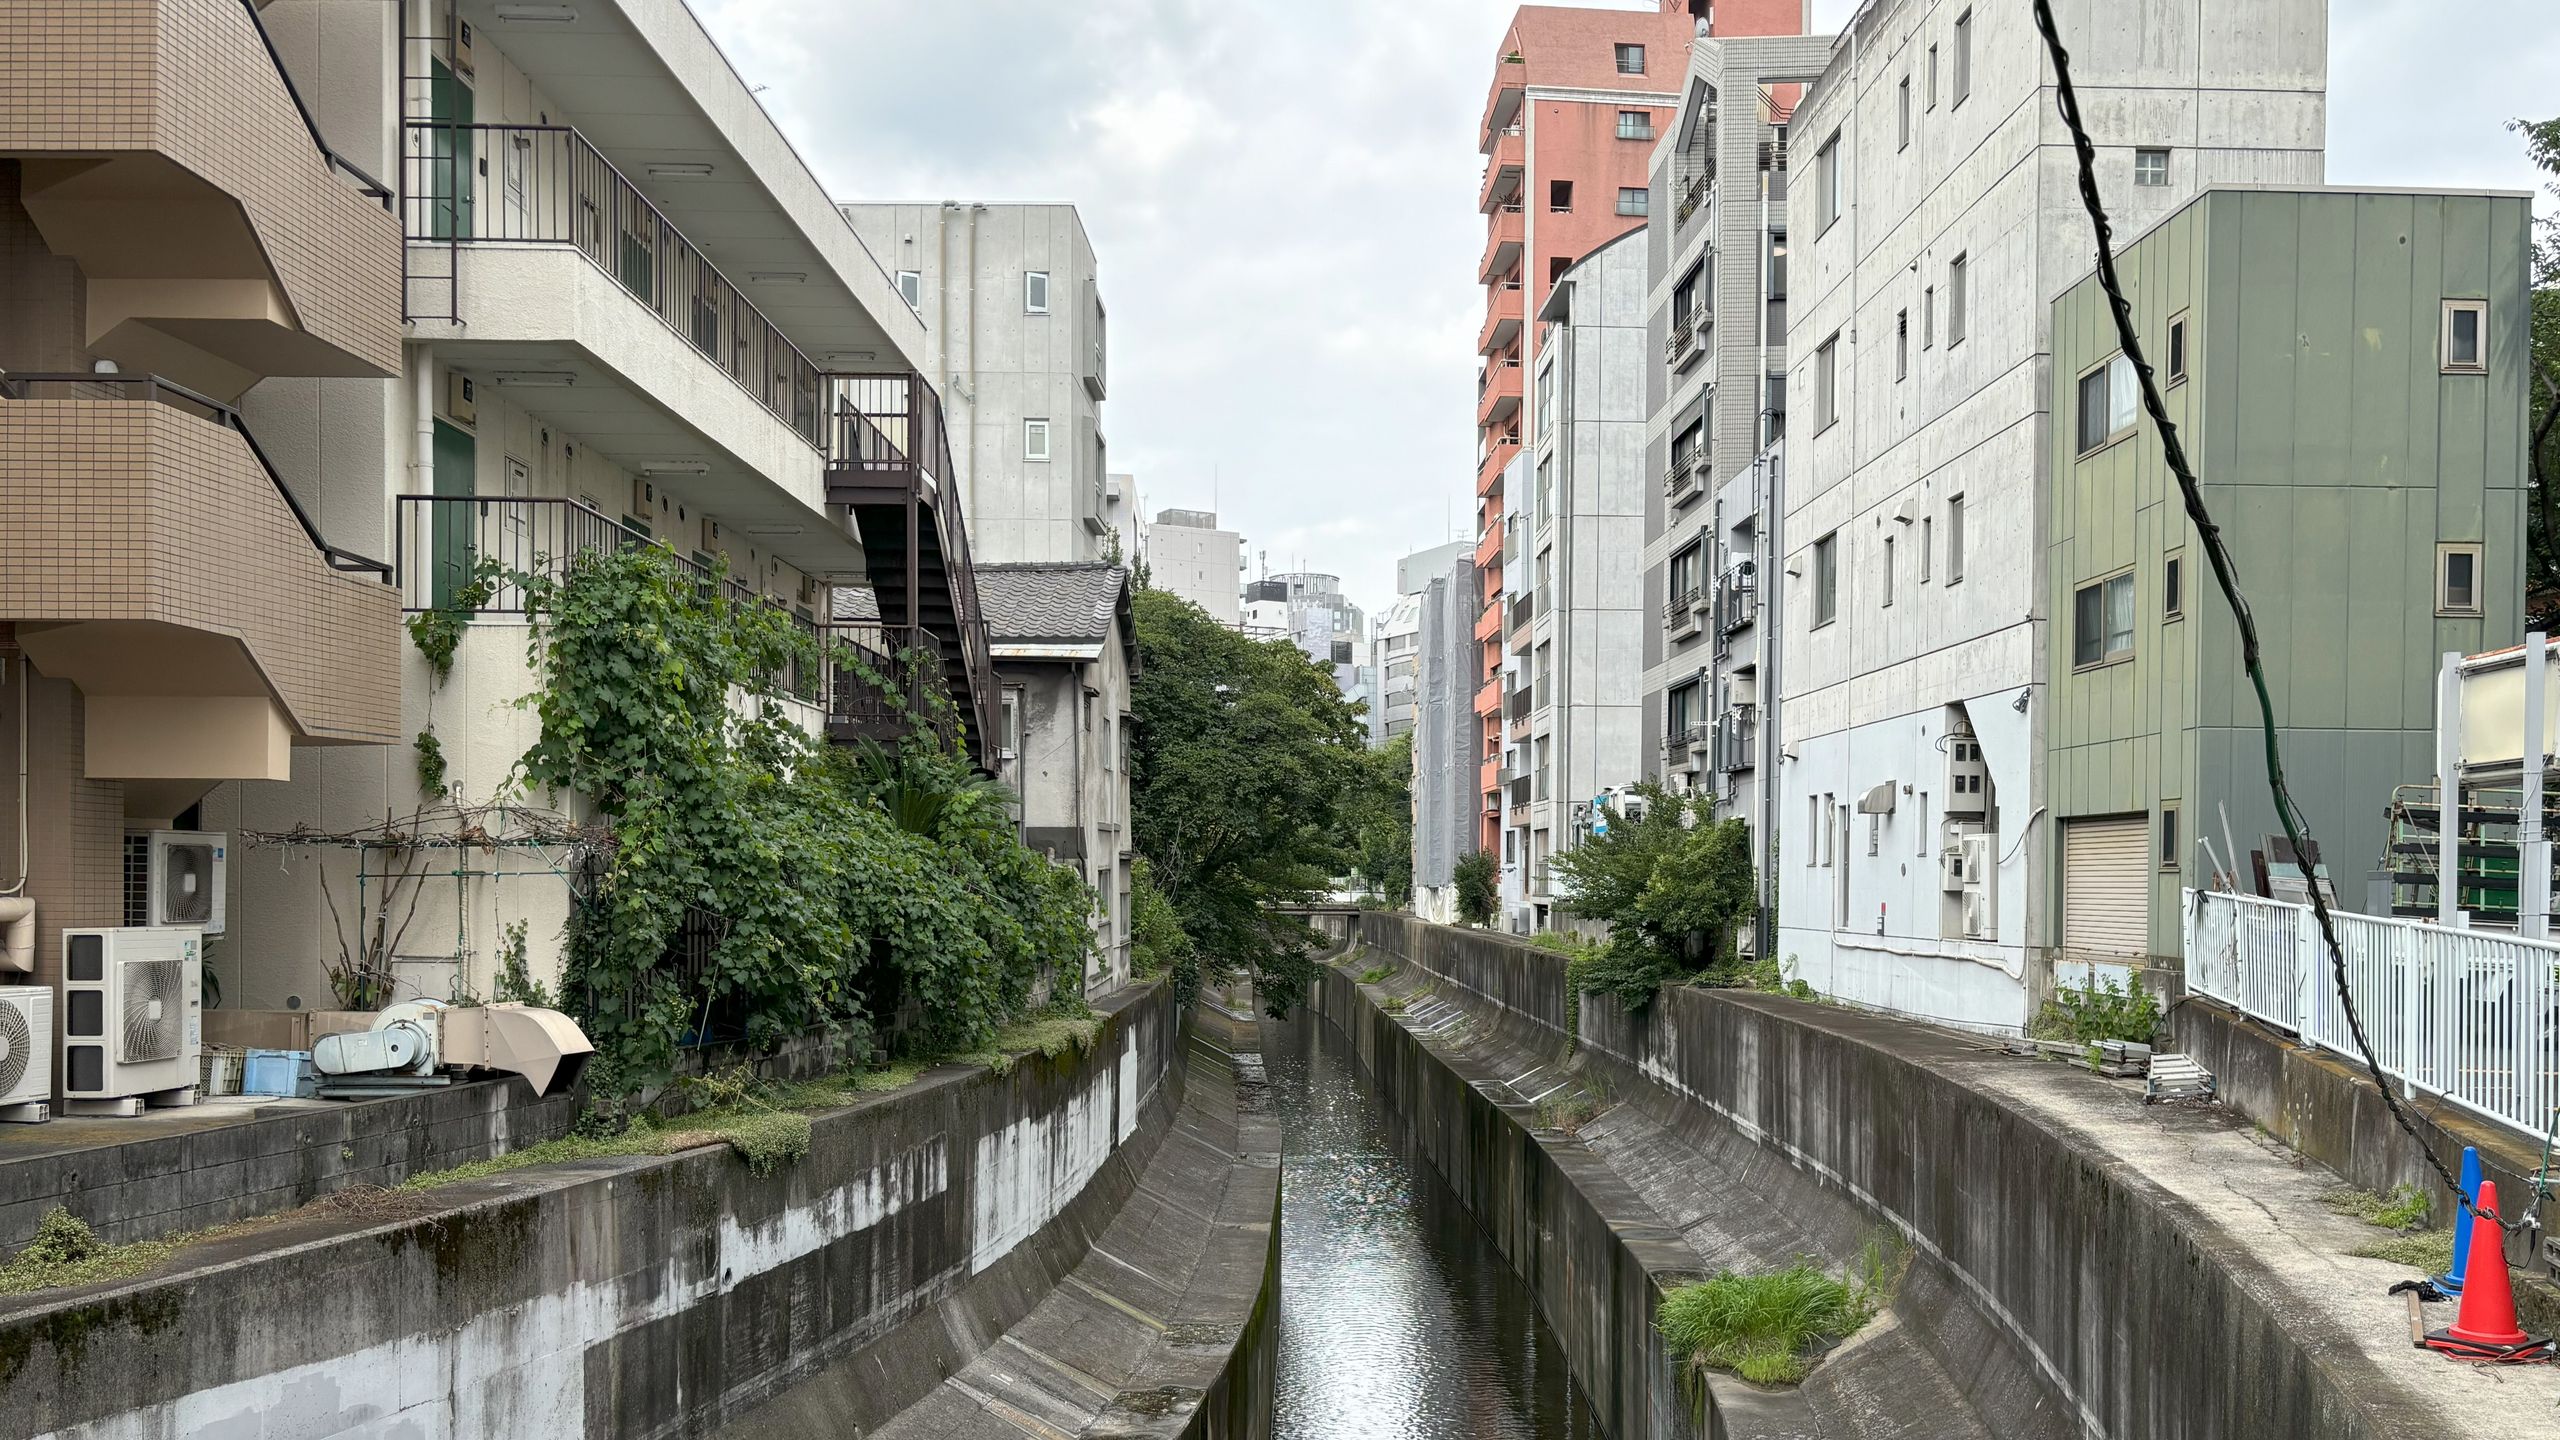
2533 889
2448 788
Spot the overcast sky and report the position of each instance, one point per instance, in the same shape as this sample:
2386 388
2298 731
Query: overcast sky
1282 196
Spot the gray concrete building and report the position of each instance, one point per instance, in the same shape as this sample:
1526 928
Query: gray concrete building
1395 640
1124 522
1447 785
1016 343
1066 649
1188 555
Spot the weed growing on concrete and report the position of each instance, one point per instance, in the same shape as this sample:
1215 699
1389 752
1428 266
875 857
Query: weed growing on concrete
2094 1011
896 1075
67 1252
2430 1251
2404 1207
1377 974
1770 1328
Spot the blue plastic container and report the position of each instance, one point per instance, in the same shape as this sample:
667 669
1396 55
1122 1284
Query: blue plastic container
277 1072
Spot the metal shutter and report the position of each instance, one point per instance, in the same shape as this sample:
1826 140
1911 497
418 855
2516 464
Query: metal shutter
2106 885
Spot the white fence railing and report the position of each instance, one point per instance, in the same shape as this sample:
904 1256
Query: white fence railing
2471 1015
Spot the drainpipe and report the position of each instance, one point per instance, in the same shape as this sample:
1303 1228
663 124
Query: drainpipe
969 492
422 441
17 911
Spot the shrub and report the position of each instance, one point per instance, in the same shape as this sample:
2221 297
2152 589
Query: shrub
1474 879
1766 1328
2093 1011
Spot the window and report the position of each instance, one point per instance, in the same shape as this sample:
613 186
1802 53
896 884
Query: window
1687 570
1635 124
1035 439
1560 196
1680 708
2168 835
1955 538
1777 264
1632 199
1556 266
1963 76
1888 574
1011 724
1902 112
1901 343
1929 101
2177 349
2466 337
2151 167
2102 621
1812 827
1826 383
1927 543
2106 404
1826 183
2457 579
1035 291
911 288
1955 301
1630 59
1826 580
2173 587
1928 316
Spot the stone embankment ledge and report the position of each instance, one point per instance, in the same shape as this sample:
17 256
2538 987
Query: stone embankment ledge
662 1295
2078 1263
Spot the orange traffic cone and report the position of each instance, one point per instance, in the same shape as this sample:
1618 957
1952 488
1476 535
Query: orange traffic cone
2484 1327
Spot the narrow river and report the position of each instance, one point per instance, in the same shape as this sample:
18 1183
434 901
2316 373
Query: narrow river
1399 1320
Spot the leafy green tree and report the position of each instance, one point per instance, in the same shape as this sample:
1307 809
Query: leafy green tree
1158 944
1378 820
1673 886
2542 528
1473 876
1244 753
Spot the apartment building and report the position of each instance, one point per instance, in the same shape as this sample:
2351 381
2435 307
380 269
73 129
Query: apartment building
1447 796
1016 343
2349 371
1933 216
1188 555
1575 636
1124 522
1396 640
496 285
1310 611
1718 396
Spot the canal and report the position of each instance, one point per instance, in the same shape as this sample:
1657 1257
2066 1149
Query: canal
1399 1320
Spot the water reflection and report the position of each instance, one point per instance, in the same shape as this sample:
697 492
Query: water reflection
1398 1318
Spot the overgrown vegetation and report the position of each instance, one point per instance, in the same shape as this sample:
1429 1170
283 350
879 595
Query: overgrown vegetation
1377 974
67 1252
1377 822
1473 878
516 985
2096 1010
2430 1251
1246 751
431 766
1769 1328
1674 887
2403 1212
2542 525
2405 1206
1158 945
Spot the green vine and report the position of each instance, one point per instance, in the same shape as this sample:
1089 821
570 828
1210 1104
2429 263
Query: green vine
516 985
431 766
438 632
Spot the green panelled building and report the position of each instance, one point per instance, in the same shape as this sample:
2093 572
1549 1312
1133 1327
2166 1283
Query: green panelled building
2347 369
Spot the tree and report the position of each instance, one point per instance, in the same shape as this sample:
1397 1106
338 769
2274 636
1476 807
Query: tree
2542 525
1378 820
1673 885
1244 752
1473 879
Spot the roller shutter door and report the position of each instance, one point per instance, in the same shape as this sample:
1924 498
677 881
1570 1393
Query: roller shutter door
2106 885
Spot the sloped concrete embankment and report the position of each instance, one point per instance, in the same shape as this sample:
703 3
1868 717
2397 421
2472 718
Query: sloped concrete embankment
2052 1290
640 1296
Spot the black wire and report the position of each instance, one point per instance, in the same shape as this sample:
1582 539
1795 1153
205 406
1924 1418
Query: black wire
2226 575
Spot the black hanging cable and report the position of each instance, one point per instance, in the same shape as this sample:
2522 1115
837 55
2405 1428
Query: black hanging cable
2227 577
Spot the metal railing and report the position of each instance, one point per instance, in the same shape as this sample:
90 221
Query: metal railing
372 187
2470 1015
545 185
1736 736
1737 601
178 397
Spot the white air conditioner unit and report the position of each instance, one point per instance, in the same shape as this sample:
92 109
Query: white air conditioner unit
26 1052
132 1018
187 879
1951 869
1981 886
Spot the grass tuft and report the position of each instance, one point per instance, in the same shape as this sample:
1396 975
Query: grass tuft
1769 1328
1377 973
2427 1250
2403 1208
67 1252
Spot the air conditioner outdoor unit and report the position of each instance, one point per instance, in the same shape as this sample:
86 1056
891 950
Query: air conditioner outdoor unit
26 1052
462 398
710 536
187 879
1981 886
1951 869
132 1018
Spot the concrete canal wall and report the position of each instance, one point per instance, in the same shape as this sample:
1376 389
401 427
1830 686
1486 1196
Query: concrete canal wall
2051 1290
650 1296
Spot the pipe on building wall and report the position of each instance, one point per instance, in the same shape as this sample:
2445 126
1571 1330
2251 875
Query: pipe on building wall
26 858
18 934
970 512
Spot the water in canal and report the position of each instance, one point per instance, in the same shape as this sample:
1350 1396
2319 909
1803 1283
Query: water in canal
1399 1320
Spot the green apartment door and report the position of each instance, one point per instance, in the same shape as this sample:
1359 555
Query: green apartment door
451 557
450 178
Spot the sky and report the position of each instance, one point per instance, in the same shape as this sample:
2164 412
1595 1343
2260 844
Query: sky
1282 198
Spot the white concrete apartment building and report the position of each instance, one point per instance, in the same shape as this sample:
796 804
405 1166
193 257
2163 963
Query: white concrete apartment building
1578 633
1933 215
1124 521
1016 343
1718 253
1188 555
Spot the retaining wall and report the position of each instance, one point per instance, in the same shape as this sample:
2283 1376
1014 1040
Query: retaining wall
629 1296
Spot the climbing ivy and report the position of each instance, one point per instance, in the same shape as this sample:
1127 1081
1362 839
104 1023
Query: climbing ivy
885 887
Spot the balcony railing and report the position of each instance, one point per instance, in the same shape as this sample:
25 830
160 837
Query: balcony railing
1680 614
1684 333
1736 735
547 186
1737 601
1693 196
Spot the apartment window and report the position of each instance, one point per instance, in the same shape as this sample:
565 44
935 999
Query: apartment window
1928 542
1035 439
1955 538
1955 301
1887 602
1560 196
1928 316
1678 709
1630 59
1635 124
1035 291
1632 199
2102 621
2177 349
1826 383
2173 587
1963 76
1556 266
2106 404
2168 836
1902 112
1929 101
911 288
1826 580
1011 723
2466 337
1826 183
1687 571
1901 344
1777 264
1812 827
2151 168
2457 579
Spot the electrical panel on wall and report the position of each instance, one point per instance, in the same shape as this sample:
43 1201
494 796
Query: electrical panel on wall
1968 776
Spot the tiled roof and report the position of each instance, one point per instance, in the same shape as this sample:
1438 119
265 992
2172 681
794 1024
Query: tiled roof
1071 602
856 603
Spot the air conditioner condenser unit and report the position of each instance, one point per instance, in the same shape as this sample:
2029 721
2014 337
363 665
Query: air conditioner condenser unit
26 1052
132 1018
187 879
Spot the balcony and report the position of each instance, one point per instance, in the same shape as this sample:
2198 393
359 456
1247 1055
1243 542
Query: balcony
1503 168
1737 740
220 241
1502 242
187 593
1489 698
1488 624
1501 323
1498 392
1502 104
1686 480
1680 617
1695 194
1499 447
1737 601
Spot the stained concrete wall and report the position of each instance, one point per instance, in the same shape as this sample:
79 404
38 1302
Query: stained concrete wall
630 1296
